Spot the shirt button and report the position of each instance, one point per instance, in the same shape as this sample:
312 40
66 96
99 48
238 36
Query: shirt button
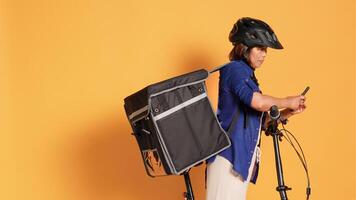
257 129
249 162
251 152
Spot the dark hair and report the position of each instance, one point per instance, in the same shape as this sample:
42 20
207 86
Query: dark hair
238 52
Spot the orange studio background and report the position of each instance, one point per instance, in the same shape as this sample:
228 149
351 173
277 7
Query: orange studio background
66 66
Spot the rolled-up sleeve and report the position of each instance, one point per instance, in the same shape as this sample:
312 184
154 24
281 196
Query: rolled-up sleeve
243 87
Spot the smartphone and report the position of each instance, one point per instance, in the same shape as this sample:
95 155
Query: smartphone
305 91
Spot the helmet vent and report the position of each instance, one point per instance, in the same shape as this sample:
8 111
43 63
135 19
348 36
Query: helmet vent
251 36
269 37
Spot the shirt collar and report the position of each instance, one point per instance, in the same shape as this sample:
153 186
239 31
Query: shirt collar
250 70
248 67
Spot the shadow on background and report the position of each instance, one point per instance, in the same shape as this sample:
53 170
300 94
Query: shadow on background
105 163
193 58
104 160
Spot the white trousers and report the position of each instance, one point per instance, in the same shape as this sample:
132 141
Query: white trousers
223 183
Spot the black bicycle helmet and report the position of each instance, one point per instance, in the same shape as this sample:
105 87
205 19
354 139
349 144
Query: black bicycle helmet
253 32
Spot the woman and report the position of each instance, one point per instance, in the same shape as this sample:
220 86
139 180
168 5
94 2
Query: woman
229 173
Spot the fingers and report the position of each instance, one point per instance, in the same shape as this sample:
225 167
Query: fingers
301 103
297 102
302 100
300 109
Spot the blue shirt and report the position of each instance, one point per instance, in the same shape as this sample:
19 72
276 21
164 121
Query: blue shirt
236 88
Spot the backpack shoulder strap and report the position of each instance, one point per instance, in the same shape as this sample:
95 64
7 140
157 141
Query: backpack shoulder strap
233 122
217 68
237 113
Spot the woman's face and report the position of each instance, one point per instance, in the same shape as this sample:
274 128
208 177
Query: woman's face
257 56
